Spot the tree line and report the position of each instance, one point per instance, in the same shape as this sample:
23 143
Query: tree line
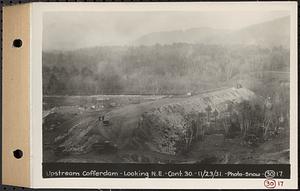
159 69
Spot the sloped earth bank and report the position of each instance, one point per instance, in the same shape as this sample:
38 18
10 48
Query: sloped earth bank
150 132
166 126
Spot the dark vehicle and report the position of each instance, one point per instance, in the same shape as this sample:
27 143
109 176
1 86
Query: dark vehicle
101 118
105 122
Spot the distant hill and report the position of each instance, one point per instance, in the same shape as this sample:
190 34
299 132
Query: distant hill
271 33
266 34
197 35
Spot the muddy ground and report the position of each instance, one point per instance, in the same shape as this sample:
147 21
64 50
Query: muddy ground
79 118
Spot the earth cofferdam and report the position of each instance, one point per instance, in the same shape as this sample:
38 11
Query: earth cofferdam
165 125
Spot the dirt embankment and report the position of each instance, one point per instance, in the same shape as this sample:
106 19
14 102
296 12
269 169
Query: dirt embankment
158 126
166 128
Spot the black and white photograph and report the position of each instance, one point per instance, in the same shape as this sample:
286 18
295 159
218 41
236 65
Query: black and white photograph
166 87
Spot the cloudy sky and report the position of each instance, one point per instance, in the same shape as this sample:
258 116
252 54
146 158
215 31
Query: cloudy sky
73 30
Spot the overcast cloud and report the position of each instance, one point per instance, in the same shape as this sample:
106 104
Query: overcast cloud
73 30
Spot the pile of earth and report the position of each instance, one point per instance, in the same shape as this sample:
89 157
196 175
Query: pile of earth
162 128
155 126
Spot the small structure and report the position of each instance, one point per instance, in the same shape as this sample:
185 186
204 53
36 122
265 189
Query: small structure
113 104
238 86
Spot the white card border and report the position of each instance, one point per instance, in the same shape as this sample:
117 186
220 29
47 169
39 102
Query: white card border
37 10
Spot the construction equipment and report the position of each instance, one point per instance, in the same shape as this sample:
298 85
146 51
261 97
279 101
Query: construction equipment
101 118
105 122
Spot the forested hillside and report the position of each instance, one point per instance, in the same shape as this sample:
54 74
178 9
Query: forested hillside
159 69
267 34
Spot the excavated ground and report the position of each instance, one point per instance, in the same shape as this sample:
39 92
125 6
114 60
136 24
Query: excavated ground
147 133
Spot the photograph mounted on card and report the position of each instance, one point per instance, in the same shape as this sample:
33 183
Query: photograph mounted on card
160 95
